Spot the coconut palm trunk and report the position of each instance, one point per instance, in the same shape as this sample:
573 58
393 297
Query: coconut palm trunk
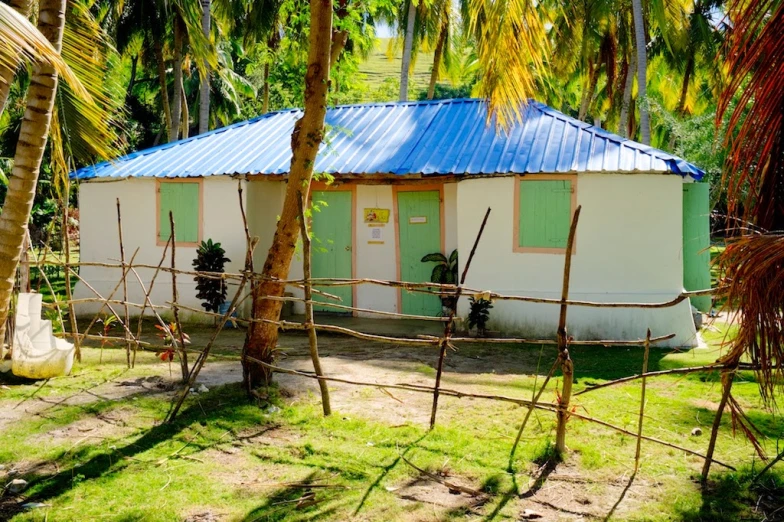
204 94
29 154
689 70
176 113
642 71
626 100
161 66
308 132
23 7
437 56
408 43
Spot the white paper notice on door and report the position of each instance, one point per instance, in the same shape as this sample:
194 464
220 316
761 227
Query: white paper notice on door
417 220
376 233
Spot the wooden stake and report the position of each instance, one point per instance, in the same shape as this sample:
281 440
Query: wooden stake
147 300
445 342
567 366
202 358
726 378
181 352
642 400
534 402
68 293
309 323
124 285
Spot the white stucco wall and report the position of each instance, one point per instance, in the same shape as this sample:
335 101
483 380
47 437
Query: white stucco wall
374 261
628 249
222 222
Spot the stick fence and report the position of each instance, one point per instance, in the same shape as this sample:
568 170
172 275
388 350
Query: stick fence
248 278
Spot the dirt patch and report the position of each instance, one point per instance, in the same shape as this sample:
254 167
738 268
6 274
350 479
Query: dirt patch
427 491
704 403
204 516
562 493
111 424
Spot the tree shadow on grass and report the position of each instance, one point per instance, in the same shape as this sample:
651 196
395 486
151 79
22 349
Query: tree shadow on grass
211 409
734 496
307 499
385 471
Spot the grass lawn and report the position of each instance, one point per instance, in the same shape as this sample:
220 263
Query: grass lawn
93 448
382 65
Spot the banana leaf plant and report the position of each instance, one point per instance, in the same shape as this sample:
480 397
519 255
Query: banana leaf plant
445 273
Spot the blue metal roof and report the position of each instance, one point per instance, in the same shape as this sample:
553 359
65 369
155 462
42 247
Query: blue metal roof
433 137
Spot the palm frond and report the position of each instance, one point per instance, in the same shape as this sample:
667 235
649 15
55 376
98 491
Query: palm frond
87 130
754 174
752 278
22 41
511 45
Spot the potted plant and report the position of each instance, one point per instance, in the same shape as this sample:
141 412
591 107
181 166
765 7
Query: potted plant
478 315
210 257
445 273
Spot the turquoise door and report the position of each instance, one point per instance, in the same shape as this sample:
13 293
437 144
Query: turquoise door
332 244
696 242
419 225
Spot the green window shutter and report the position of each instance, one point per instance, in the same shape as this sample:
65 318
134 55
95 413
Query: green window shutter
545 213
182 199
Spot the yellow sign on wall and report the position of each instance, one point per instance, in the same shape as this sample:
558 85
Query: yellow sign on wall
376 215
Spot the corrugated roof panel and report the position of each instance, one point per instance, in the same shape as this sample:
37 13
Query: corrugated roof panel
431 138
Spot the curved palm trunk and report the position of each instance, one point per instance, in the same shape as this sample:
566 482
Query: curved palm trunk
305 141
29 153
176 113
588 94
685 86
407 45
642 71
266 90
167 117
626 101
431 89
7 74
204 94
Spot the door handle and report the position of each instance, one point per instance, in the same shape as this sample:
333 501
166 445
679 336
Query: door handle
348 248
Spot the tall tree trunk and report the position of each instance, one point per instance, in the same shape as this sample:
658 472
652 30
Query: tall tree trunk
408 43
29 153
23 7
167 116
177 90
186 117
587 98
132 80
685 86
265 91
626 101
431 89
305 141
642 71
204 94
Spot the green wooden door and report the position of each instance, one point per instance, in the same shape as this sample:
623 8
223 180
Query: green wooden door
332 244
419 219
696 242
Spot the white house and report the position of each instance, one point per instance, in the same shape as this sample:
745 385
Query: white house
413 178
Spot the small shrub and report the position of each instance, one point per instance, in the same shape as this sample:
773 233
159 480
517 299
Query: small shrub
210 258
444 273
479 314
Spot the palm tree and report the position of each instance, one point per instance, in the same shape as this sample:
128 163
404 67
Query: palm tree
509 49
408 42
29 151
204 89
754 180
305 141
22 7
642 70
